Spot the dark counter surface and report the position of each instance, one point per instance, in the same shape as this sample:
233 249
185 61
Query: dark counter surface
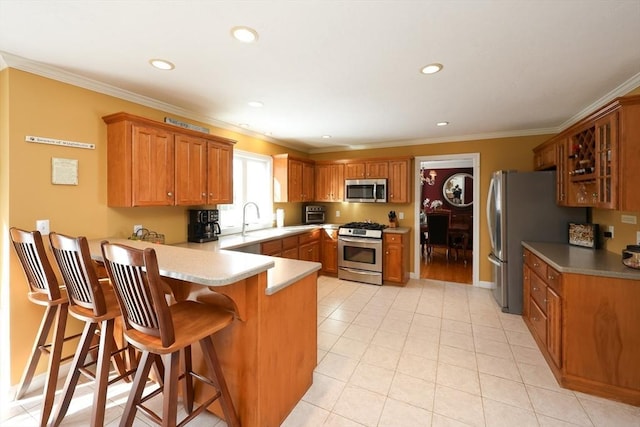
574 259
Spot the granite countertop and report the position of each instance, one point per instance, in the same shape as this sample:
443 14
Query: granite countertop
573 259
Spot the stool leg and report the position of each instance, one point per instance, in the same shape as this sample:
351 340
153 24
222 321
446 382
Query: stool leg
72 378
102 371
213 364
170 389
188 380
36 351
54 364
144 365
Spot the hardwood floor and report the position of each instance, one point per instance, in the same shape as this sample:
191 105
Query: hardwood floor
439 268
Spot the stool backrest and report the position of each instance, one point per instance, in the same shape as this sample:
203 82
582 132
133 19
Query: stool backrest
136 279
74 261
30 250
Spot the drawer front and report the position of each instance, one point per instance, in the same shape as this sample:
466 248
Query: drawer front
290 242
539 266
554 280
308 237
538 321
392 238
271 247
539 292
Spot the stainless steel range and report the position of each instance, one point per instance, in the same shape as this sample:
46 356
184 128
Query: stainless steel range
360 252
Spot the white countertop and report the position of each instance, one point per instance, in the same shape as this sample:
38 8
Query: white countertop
209 264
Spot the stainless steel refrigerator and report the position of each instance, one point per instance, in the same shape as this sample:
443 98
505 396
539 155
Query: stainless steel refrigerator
522 206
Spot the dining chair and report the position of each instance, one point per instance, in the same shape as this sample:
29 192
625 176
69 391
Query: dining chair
94 303
438 223
45 291
156 328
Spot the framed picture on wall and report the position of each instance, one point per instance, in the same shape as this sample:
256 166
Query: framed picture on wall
583 234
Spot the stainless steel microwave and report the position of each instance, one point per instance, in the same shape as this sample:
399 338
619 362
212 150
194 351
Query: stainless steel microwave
365 190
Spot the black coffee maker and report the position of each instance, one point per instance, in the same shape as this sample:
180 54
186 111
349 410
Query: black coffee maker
203 225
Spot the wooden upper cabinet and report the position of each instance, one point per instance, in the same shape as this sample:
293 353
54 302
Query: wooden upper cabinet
544 156
366 170
219 173
151 163
293 179
598 158
329 179
399 190
191 161
140 165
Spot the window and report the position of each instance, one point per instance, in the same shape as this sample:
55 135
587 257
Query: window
252 182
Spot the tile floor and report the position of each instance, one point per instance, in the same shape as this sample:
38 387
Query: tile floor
429 354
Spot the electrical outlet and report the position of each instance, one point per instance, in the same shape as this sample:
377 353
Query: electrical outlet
400 215
136 228
609 232
638 237
42 225
337 214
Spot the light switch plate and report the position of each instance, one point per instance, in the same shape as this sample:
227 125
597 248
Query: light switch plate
628 219
400 215
638 237
42 225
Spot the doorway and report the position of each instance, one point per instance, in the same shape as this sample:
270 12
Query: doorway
426 173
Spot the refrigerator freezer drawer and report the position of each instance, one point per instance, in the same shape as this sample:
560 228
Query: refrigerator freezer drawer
500 275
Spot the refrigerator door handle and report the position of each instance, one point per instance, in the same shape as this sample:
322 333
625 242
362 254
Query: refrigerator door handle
494 260
490 209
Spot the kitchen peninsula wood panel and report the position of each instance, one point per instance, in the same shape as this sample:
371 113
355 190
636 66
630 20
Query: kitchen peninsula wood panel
151 163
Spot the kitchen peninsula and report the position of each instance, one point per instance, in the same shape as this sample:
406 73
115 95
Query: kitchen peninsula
581 306
269 352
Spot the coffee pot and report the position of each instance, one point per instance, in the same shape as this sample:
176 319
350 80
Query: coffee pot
203 225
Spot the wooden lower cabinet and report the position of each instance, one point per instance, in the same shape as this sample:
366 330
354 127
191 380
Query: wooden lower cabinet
309 249
395 263
304 246
586 327
330 251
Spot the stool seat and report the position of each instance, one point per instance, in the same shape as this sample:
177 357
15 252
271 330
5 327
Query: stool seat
192 321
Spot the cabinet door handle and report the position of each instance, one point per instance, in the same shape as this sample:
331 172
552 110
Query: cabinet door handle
170 194
535 289
204 194
535 319
535 264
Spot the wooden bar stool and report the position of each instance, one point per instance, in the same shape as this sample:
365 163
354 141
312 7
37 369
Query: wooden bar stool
45 291
157 328
94 303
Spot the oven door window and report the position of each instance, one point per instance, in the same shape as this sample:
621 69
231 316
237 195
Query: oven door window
360 255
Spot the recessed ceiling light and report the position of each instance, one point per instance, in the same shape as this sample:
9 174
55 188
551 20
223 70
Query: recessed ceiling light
244 125
326 136
255 104
162 64
442 123
244 34
431 68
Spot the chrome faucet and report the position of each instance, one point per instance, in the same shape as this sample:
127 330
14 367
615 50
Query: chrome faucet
244 216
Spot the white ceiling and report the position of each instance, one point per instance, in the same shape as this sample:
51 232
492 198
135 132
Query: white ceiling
349 69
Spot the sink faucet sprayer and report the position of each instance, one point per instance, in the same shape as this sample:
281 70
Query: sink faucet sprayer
244 216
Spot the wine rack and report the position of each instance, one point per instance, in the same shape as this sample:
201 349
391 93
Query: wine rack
582 156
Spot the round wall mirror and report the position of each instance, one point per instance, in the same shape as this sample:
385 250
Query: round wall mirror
458 190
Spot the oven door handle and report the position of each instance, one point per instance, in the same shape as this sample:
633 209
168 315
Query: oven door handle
351 240
361 272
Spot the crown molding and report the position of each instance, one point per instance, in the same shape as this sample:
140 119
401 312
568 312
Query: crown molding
424 141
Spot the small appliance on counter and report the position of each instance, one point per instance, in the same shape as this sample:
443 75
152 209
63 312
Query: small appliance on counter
631 256
203 225
313 214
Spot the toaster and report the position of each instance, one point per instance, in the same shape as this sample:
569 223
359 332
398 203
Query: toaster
631 256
